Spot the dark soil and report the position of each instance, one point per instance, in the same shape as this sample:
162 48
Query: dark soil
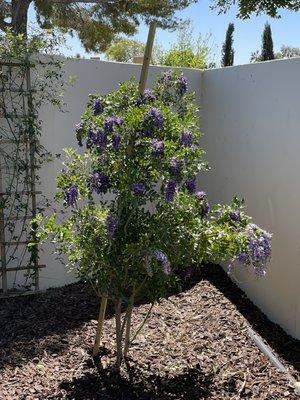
194 346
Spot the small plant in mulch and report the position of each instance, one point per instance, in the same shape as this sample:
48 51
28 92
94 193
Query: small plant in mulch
137 218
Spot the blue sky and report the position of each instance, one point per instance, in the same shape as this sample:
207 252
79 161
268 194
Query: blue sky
206 21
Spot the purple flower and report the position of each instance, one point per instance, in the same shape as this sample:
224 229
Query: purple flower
98 107
258 251
189 272
205 209
186 139
157 147
175 166
147 96
71 195
101 139
116 141
99 182
110 122
93 137
79 131
163 260
138 188
167 76
235 215
170 190
112 223
183 84
156 117
201 195
190 184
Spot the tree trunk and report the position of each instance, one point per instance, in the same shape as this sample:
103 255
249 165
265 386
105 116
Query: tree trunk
19 16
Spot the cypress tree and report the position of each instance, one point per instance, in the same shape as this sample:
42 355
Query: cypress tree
267 52
227 49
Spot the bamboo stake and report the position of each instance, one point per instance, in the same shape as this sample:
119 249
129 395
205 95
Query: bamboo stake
128 326
100 325
147 57
118 332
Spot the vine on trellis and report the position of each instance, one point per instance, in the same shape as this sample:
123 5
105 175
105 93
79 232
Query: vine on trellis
29 78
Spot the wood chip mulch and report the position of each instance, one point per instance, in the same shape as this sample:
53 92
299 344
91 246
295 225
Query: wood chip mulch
194 346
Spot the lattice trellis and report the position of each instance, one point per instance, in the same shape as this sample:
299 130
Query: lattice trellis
18 195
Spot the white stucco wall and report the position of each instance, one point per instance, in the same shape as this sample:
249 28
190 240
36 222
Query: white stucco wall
251 122
93 76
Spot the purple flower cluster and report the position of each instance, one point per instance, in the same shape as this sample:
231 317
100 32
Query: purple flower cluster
112 223
258 252
116 141
158 147
71 195
235 215
98 138
79 130
183 84
98 107
156 118
170 190
99 182
167 76
147 97
205 208
190 184
101 139
186 139
111 122
201 195
163 260
175 166
138 188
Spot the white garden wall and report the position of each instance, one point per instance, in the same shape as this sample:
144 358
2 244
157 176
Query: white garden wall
251 120
251 123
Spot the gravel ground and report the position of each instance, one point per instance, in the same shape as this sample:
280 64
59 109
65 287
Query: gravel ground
194 346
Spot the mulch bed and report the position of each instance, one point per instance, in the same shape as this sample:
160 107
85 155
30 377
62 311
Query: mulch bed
194 346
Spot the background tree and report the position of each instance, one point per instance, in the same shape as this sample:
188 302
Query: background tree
227 49
267 52
246 7
97 22
123 50
288 52
285 52
187 51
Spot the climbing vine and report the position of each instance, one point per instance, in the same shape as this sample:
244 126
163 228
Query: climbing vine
30 76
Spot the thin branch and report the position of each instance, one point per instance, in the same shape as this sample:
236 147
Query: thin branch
142 325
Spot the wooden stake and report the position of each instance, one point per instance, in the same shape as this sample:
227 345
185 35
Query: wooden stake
147 57
100 325
118 332
128 326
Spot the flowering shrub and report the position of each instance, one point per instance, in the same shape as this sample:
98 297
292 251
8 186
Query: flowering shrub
137 216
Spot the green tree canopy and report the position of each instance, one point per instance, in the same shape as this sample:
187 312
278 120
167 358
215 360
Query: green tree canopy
123 50
246 7
187 51
96 22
